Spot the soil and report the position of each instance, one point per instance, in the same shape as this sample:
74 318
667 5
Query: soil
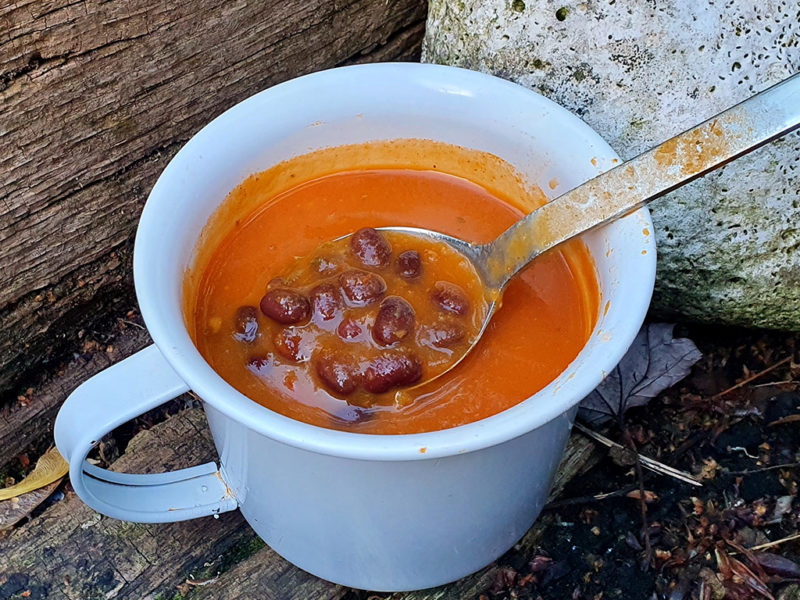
745 447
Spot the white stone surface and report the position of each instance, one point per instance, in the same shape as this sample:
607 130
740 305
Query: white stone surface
638 72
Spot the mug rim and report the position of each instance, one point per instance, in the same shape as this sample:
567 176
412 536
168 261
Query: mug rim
552 401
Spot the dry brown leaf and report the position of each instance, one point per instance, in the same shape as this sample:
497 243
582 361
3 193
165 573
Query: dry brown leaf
749 578
49 468
709 470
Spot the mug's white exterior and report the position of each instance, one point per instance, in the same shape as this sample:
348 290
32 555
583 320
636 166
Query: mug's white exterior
394 526
377 512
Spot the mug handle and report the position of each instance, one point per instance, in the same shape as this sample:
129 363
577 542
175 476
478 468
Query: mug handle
110 398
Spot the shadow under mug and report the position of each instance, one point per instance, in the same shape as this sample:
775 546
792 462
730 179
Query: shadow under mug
365 511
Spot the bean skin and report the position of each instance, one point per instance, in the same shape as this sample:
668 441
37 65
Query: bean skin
443 334
285 306
394 322
349 329
246 324
450 297
409 264
289 345
361 287
389 370
326 301
337 372
371 248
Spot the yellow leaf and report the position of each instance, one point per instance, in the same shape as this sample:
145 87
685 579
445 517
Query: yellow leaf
49 468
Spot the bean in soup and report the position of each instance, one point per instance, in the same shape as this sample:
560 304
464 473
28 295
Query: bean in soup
328 334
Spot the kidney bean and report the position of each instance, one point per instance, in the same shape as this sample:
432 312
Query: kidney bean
337 371
288 344
326 301
391 369
349 329
409 264
394 322
450 297
442 334
245 327
285 306
362 287
371 248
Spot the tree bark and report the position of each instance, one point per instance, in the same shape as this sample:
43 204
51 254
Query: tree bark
97 96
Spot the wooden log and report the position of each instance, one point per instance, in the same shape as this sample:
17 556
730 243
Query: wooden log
72 552
28 426
69 551
97 96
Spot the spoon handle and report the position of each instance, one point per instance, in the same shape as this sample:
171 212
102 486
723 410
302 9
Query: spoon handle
629 186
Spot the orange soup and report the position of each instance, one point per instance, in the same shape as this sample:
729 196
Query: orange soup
263 228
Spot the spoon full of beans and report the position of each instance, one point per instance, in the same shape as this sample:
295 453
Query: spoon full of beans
382 310
734 132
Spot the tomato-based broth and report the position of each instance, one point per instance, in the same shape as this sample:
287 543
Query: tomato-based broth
248 263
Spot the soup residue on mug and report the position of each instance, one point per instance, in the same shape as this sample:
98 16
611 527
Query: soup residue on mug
275 217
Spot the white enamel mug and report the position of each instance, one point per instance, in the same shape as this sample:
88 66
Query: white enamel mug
366 511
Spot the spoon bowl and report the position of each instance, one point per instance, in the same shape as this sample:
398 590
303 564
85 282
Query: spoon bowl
732 133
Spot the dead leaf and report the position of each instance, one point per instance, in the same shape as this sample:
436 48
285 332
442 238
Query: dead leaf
709 470
775 564
14 510
732 569
750 579
655 362
49 468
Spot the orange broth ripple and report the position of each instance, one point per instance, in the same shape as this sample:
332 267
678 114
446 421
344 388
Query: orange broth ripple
547 314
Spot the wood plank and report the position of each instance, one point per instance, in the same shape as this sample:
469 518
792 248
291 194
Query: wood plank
29 427
72 552
98 95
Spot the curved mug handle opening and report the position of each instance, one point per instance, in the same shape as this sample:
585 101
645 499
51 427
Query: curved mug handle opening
110 398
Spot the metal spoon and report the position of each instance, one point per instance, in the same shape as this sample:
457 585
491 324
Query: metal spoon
626 188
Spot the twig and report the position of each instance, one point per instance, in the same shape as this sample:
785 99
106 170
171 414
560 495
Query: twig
783 361
761 470
795 536
784 420
585 499
774 383
647 462
648 547
127 322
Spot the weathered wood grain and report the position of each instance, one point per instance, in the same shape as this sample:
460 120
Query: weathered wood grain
30 426
71 552
96 96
